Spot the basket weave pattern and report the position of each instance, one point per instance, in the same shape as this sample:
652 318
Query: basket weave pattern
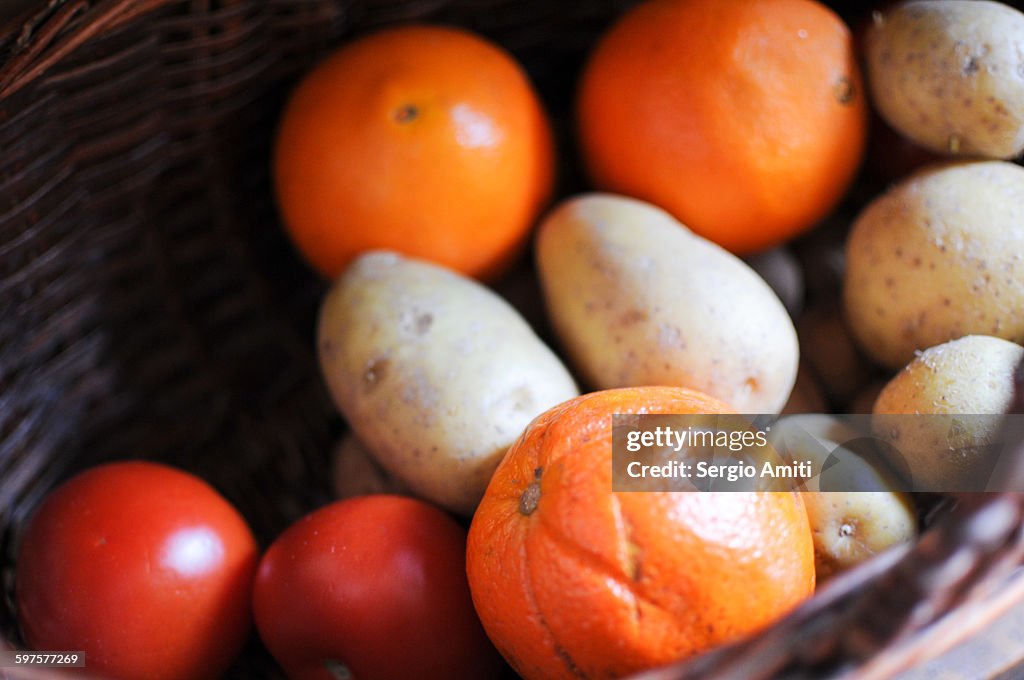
150 306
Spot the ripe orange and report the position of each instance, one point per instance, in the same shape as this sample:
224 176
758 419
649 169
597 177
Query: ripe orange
573 580
425 140
745 120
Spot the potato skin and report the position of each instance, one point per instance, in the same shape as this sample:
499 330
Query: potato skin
939 256
971 375
436 374
851 525
637 299
948 75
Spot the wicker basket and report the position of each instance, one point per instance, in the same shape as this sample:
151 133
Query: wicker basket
152 308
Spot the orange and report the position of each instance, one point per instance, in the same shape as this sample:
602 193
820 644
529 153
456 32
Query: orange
744 119
573 580
425 140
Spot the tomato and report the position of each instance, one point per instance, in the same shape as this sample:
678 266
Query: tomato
145 568
371 587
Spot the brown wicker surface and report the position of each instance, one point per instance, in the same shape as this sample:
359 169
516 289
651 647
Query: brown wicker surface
150 307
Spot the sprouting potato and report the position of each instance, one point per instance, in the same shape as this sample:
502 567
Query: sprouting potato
948 75
638 299
436 374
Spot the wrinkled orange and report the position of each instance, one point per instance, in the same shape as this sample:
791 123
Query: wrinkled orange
573 580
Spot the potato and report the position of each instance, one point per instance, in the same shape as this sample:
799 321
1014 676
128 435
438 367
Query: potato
938 257
436 374
849 527
637 299
867 516
354 472
971 375
948 75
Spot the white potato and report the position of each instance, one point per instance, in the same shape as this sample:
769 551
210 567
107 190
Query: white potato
435 373
638 299
938 257
867 516
949 74
970 382
850 527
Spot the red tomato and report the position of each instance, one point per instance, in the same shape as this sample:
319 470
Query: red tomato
373 586
144 567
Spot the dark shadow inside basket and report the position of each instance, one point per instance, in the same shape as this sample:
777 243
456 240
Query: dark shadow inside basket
151 306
